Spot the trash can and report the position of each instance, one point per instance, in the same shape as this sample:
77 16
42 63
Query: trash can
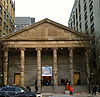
38 95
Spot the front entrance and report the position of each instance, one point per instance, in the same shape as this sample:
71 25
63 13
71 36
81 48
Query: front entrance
47 80
17 79
47 75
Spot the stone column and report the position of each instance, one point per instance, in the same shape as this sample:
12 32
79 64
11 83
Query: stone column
39 78
22 59
5 66
55 69
71 65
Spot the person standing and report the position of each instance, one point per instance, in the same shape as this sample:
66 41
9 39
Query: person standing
62 81
28 88
36 87
67 88
94 90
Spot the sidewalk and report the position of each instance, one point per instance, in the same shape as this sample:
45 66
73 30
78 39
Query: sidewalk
65 95
85 95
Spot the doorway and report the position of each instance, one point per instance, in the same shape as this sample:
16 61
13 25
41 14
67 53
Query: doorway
17 79
77 78
47 80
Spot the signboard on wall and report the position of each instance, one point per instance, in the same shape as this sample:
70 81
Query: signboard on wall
47 71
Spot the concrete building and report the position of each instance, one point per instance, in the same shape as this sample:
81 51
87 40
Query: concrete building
7 16
85 17
45 51
21 22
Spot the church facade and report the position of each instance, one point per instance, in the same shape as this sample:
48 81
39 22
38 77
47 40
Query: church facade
43 51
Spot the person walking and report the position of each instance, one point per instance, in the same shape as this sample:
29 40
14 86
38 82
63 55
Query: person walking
71 90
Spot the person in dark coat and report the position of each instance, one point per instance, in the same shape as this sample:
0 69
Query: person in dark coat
62 81
36 88
28 88
94 90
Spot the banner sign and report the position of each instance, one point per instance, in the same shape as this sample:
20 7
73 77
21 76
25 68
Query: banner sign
47 71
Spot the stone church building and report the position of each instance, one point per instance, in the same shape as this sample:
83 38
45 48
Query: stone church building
43 51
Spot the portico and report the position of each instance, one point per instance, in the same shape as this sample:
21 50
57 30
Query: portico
45 43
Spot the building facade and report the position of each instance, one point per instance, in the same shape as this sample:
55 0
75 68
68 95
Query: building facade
85 17
7 16
45 51
21 22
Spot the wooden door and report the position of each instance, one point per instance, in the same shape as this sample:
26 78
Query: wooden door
17 79
77 78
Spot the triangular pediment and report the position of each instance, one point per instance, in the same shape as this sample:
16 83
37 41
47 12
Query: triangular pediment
46 30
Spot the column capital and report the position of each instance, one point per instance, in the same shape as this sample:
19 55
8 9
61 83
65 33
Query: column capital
55 48
22 49
70 48
38 49
5 49
87 49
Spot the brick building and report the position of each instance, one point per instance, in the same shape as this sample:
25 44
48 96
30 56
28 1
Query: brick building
7 17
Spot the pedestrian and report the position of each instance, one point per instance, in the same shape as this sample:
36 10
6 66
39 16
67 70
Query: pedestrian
67 88
94 90
28 88
71 90
62 81
36 88
67 82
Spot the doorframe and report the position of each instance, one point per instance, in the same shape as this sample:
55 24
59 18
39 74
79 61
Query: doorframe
15 75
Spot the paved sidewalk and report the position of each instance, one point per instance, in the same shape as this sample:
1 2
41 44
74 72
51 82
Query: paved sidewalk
65 95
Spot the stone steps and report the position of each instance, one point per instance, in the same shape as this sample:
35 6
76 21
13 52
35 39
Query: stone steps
61 89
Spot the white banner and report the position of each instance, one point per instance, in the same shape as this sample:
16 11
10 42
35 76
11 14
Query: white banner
47 71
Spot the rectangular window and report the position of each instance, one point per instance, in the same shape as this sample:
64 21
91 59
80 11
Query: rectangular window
76 13
0 21
80 26
74 19
85 16
79 7
0 9
4 26
92 28
85 6
91 6
4 15
86 25
79 17
91 17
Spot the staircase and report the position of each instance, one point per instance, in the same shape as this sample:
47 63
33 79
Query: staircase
61 89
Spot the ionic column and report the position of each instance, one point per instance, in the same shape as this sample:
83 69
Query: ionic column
55 69
39 68
71 65
5 66
22 59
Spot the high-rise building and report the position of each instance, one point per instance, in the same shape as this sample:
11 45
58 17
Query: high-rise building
21 22
7 16
85 17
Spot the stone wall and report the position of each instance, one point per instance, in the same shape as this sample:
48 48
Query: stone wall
47 60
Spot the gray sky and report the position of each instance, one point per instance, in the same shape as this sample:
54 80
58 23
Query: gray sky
56 10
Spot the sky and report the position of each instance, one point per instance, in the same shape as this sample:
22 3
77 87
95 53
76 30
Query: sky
56 10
